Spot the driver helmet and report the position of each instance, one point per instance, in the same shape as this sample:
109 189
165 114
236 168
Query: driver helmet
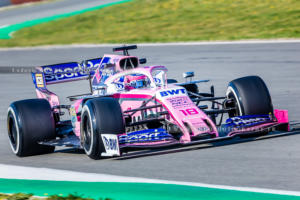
136 81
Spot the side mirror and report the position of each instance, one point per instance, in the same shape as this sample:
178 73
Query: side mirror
188 74
143 61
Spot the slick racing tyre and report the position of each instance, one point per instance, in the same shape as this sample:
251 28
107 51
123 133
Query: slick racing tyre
250 96
28 122
101 121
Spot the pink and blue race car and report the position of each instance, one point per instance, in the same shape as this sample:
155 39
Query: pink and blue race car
132 107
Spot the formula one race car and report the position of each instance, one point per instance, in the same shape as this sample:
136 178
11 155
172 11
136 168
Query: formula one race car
132 107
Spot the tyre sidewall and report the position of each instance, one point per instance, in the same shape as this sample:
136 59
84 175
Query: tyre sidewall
88 112
34 123
12 115
231 90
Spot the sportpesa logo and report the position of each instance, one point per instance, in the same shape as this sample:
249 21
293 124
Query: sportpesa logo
69 70
144 137
245 121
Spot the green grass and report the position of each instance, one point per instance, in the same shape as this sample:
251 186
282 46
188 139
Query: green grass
17 196
169 21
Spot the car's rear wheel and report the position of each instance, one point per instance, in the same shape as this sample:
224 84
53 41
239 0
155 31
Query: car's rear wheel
100 117
250 96
28 122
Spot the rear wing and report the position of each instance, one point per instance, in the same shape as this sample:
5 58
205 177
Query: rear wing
65 72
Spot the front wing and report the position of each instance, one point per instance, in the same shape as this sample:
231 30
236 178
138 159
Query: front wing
158 138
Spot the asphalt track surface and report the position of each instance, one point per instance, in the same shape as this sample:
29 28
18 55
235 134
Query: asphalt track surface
270 163
21 14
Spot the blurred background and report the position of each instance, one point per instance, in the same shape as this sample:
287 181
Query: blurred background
11 2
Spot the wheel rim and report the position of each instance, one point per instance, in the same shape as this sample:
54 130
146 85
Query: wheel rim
234 112
87 133
12 133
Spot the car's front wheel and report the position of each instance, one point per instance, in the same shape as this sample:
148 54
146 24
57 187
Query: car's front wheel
250 96
101 121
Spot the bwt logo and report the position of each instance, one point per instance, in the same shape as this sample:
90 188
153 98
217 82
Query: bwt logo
172 92
111 144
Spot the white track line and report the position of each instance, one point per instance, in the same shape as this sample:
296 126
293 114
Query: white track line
3 26
32 173
47 47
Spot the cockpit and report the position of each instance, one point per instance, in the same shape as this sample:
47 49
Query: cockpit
139 78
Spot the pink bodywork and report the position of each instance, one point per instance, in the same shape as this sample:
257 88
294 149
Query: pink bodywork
50 96
177 105
282 117
76 126
182 111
